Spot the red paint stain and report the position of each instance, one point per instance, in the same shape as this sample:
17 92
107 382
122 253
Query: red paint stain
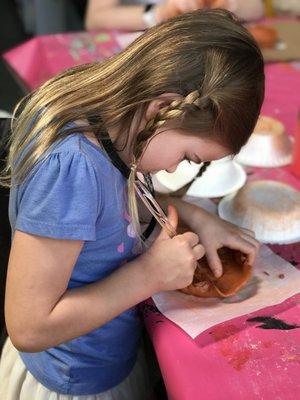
267 344
228 343
224 331
239 358
291 358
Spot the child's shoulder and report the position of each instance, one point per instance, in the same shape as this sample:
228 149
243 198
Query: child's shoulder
76 142
79 145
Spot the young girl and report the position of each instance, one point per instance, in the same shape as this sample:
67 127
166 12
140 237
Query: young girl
190 88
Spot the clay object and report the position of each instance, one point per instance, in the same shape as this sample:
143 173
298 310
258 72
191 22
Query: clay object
236 273
266 36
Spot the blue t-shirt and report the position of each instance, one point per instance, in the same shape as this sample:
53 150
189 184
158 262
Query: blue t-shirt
76 193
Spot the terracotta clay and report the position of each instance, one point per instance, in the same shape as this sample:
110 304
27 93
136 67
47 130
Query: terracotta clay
236 273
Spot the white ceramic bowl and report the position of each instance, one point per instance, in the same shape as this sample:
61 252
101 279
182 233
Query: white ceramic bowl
164 182
221 178
268 146
271 209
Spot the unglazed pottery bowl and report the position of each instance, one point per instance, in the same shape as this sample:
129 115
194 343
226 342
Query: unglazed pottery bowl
236 273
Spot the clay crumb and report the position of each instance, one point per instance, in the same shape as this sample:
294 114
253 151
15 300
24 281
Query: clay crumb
267 273
281 276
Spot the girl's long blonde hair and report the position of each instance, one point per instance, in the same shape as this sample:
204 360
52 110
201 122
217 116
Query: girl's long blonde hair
206 57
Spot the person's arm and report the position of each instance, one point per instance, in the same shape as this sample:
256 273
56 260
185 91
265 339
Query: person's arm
109 14
41 312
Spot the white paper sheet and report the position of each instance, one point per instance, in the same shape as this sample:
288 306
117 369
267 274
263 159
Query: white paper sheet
194 315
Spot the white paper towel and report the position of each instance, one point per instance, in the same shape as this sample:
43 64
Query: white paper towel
274 280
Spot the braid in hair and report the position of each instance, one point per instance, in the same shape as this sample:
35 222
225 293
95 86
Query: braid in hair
175 109
132 203
203 168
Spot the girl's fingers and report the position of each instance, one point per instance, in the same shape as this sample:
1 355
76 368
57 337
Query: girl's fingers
214 262
251 240
191 237
239 243
248 232
198 251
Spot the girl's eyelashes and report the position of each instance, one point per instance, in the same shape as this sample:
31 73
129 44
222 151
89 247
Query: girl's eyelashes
196 160
185 158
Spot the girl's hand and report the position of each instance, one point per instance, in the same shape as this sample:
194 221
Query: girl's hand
169 264
215 233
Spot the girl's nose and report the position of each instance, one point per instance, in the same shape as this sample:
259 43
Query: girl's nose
171 169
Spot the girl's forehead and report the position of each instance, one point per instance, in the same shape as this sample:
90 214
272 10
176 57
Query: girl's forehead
204 148
208 150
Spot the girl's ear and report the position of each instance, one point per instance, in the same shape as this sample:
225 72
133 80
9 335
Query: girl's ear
164 100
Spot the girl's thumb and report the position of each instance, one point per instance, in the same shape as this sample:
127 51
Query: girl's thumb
173 220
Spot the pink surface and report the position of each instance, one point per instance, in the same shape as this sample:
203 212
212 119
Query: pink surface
234 360
40 58
237 360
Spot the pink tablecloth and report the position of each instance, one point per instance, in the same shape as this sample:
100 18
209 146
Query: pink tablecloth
40 58
237 360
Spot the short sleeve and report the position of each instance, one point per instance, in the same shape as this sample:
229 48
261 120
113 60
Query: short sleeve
61 199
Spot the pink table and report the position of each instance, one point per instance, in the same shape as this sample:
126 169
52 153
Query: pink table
42 57
236 360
